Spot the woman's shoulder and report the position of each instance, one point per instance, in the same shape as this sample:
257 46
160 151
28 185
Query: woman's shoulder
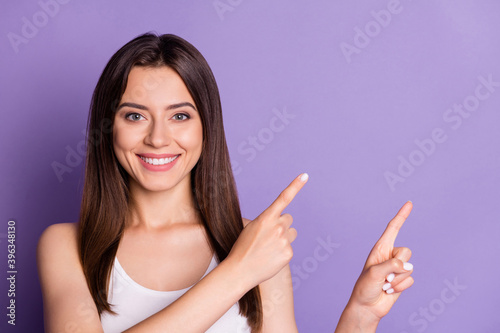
58 239
60 231
66 296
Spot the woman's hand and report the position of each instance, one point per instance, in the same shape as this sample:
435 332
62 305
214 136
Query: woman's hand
385 275
264 246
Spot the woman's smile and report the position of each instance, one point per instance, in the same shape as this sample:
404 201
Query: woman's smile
164 163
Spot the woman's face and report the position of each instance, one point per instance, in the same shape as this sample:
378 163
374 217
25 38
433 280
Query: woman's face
157 132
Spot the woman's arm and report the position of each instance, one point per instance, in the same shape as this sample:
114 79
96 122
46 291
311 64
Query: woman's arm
68 303
277 301
385 276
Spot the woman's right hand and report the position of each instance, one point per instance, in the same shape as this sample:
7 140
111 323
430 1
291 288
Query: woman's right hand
264 246
386 268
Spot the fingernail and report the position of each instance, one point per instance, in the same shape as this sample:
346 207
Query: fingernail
407 266
386 286
410 201
304 177
390 291
390 277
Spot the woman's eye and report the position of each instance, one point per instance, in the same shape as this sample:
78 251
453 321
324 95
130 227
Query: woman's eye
180 116
133 116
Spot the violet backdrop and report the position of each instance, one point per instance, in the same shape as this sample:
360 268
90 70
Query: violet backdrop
379 101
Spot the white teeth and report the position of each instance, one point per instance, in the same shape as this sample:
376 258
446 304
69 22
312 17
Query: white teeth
161 161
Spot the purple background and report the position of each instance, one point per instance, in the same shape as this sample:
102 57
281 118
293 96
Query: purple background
351 118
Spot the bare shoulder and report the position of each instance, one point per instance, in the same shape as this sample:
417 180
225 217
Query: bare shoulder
57 238
60 229
66 297
57 248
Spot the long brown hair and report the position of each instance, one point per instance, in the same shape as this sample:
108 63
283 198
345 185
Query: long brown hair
105 200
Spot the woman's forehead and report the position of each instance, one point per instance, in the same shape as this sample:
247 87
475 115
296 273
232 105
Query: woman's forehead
155 85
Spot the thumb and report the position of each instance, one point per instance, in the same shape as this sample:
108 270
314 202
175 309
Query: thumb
402 253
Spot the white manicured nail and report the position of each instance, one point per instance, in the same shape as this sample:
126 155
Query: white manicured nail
386 286
390 291
304 177
390 277
407 266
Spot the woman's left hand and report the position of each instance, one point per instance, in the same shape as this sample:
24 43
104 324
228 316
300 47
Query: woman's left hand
385 275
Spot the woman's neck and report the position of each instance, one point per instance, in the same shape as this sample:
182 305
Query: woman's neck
160 209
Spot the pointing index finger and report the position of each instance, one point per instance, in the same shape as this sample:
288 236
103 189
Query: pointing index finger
392 229
287 195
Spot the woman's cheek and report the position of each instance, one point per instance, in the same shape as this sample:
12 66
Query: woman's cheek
126 138
190 139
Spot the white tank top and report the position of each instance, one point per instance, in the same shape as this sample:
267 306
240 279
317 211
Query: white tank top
133 303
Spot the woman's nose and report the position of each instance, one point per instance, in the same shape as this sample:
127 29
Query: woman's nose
159 134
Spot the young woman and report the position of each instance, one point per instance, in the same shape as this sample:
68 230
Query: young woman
161 245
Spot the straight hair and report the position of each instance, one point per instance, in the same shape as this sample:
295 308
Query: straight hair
105 199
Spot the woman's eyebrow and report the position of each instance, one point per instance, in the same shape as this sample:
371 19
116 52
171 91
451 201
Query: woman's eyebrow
180 105
142 107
